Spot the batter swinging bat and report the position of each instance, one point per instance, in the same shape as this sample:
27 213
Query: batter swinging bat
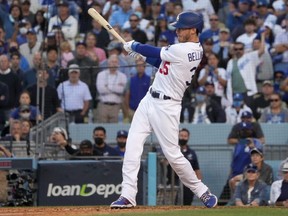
96 16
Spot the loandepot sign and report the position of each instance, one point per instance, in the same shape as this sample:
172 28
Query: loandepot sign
85 190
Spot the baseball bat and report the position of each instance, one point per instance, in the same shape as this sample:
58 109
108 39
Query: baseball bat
96 16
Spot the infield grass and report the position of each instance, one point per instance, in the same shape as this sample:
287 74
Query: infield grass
221 211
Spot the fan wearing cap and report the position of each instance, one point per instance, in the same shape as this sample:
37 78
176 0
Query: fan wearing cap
88 66
23 26
207 111
265 170
234 112
31 47
251 191
115 48
279 189
121 142
25 109
262 99
69 24
275 113
59 136
75 95
85 151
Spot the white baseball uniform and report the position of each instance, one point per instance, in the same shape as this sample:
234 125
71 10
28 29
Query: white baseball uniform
179 62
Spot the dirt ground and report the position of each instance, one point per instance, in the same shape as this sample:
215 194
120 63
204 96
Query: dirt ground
79 211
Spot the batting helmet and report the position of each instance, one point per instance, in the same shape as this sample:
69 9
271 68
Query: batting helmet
189 19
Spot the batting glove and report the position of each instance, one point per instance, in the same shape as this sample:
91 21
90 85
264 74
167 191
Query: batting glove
130 46
136 55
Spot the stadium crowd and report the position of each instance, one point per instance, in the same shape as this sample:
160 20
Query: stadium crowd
57 48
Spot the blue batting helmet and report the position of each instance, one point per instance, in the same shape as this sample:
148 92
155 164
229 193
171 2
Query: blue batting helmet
189 19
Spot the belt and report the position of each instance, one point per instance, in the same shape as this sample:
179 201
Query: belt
110 103
159 95
73 111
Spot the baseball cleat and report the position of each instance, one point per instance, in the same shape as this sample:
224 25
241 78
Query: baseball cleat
209 199
121 203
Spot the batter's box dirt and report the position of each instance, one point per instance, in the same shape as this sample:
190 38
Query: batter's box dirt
80 211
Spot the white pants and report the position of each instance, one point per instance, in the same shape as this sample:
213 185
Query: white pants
161 116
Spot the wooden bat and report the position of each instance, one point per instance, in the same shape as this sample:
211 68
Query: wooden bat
96 16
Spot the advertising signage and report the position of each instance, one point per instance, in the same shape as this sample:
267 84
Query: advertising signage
81 183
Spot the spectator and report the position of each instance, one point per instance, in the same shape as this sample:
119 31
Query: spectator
30 76
137 34
265 68
10 20
213 31
68 23
59 136
223 47
21 37
207 111
251 191
208 47
275 113
281 47
120 16
236 18
121 142
136 88
26 125
95 53
24 64
85 151
15 132
242 71
265 170
15 65
66 54
262 99
13 83
213 74
162 29
254 128
110 84
203 7
51 101
29 48
237 110
52 64
280 173
25 109
210 91
279 188
26 13
245 136
191 156
103 38
74 95
249 35
40 25
88 66
4 98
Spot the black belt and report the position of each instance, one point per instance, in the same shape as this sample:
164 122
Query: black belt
155 94
110 103
73 111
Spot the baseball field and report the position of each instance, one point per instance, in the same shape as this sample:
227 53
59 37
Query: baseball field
143 211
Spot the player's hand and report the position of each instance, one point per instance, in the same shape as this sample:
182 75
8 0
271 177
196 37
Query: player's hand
136 55
128 46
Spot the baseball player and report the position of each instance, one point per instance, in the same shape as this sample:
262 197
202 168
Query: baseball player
160 109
